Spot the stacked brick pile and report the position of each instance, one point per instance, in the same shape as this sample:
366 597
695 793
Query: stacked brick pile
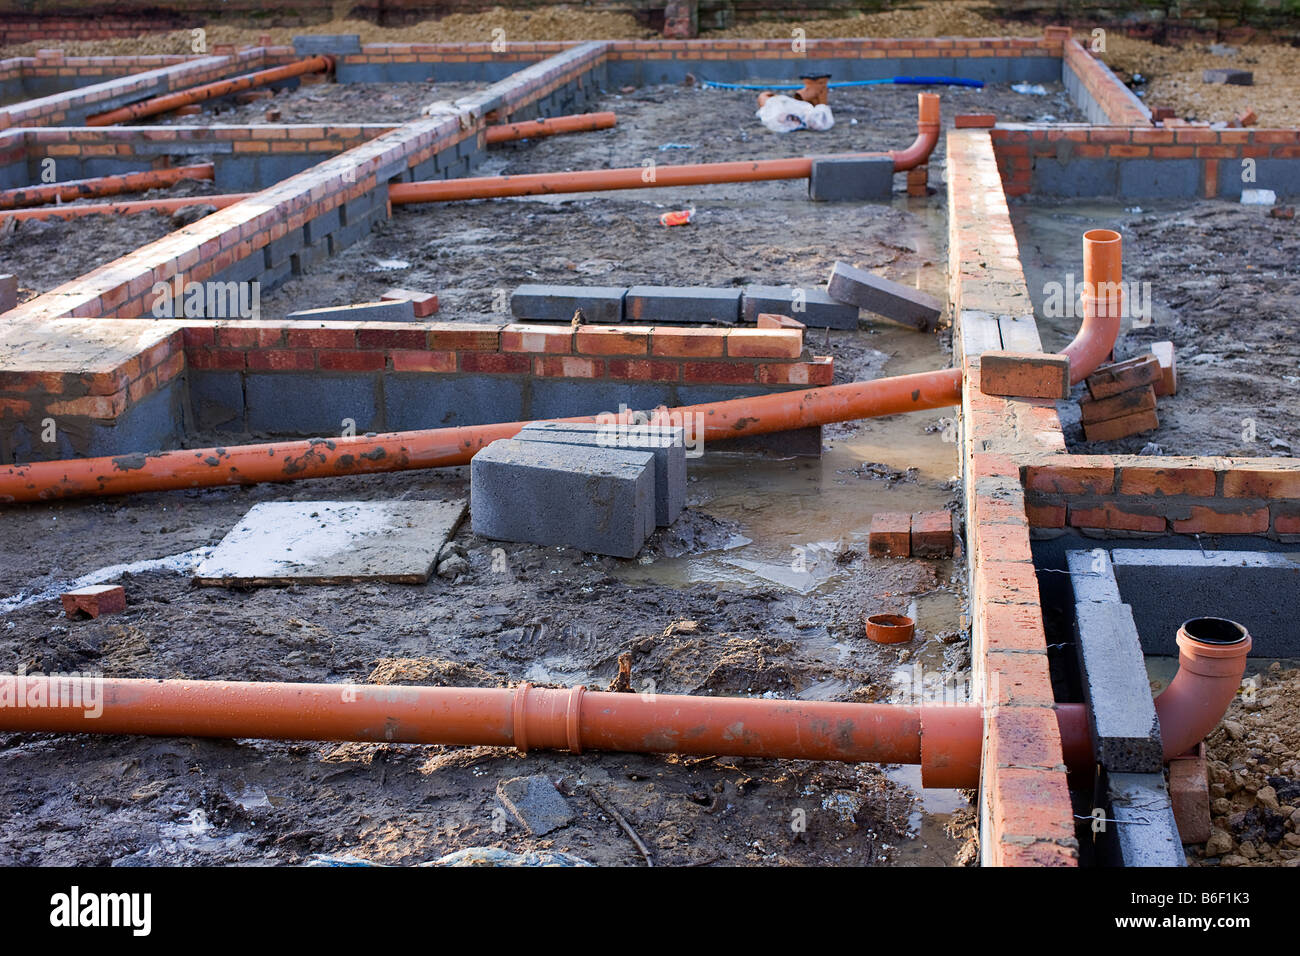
1121 397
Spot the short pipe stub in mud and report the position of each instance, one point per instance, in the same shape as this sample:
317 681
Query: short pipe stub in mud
890 628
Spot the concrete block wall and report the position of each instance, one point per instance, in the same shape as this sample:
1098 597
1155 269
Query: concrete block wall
70 108
1179 162
1127 494
1096 90
1026 812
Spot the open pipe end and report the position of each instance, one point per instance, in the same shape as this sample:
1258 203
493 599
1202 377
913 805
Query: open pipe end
1211 661
928 105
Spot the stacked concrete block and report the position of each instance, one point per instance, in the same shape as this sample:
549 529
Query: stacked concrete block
657 303
852 179
598 500
813 307
666 443
397 310
600 305
329 44
893 300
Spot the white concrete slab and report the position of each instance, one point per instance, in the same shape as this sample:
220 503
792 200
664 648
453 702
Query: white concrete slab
329 542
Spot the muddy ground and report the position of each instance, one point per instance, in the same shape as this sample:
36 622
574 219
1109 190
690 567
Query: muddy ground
1224 287
715 606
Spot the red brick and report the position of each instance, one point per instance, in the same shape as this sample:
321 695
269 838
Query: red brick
1039 853
1121 427
568 366
611 340
645 370
771 320
820 371
298 338
1164 353
1110 515
721 372
890 535
369 338
1205 520
1045 514
1012 627
95 600
975 120
687 343
1016 679
764 343
1006 582
1146 480
424 303
537 338
1025 374
282 360
1121 376
1133 401
1189 792
464 338
1028 805
495 363
932 534
422 360
1245 482
351 361
1071 479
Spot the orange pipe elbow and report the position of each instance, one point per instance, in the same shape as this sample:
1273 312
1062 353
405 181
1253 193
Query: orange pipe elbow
927 134
130 208
101 186
531 129
1103 269
172 101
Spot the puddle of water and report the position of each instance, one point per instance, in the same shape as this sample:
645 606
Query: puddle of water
927 843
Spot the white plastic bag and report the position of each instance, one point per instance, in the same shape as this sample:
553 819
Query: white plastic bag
785 114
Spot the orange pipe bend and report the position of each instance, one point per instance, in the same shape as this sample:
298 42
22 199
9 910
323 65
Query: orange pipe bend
442 447
101 186
1103 269
645 177
531 129
171 101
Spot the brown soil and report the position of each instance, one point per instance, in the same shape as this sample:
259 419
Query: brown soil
1254 763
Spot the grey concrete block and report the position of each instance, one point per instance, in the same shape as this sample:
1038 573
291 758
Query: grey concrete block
602 305
1231 77
216 399
682 305
883 296
597 500
293 403
813 307
851 179
1144 832
279 250
535 803
1092 576
1121 712
1260 589
1076 177
309 256
392 311
566 398
414 400
329 43
8 292
667 444
1160 178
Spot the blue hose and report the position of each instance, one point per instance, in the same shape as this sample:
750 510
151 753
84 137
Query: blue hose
900 80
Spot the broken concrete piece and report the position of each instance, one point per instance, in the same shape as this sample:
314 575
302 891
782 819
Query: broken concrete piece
666 443
535 803
893 300
598 500
327 542
1025 374
94 600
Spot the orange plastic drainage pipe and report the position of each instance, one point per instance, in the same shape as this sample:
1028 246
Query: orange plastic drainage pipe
646 177
441 447
944 740
531 129
171 101
1103 300
101 186
73 210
